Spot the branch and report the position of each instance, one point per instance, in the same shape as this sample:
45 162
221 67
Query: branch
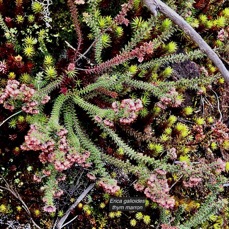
17 195
80 198
74 14
152 5
10 117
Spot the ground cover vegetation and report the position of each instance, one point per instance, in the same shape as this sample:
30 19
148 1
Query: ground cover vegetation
103 98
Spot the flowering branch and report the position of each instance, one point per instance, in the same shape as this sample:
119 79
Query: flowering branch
146 48
74 14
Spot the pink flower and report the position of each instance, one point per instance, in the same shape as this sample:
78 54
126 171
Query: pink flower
71 67
58 193
221 166
120 18
108 123
138 104
222 35
8 19
160 172
97 118
49 208
172 154
36 178
62 177
192 182
45 99
78 2
140 59
46 172
139 187
170 203
91 176
3 67
108 187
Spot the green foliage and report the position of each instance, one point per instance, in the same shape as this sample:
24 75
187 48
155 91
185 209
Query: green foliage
3 25
25 78
209 207
37 7
175 58
48 60
29 51
87 144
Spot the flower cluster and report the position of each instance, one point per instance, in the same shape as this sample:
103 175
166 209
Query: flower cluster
48 198
91 176
192 182
15 91
3 67
109 186
128 109
172 153
107 122
220 166
139 52
120 18
54 191
222 35
78 2
157 189
196 174
220 131
35 140
171 99
51 191
57 152
199 133
49 208
146 48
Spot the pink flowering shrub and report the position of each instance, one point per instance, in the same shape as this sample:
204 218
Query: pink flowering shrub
157 189
55 151
198 174
57 155
14 92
